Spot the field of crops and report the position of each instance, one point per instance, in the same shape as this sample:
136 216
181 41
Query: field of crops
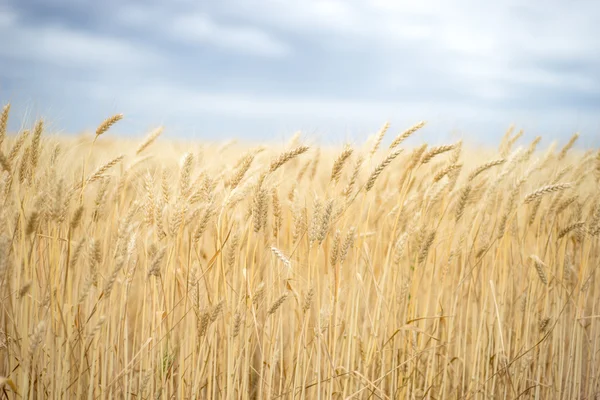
161 269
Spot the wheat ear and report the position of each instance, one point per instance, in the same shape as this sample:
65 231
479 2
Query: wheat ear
107 123
545 190
152 136
377 171
404 135
379 138
286 156
4 122
339 162
435 151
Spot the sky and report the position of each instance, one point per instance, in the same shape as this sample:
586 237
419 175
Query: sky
336 70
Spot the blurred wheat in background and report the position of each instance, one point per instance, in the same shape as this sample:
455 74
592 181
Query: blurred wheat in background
136 270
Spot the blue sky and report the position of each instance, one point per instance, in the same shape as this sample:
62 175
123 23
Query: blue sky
262 69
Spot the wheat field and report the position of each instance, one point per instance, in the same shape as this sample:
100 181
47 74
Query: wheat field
160 269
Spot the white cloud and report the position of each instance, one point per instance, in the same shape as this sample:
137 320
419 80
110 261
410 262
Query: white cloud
338 61
500 37
66 47
201 28
491 47
7 18
198 27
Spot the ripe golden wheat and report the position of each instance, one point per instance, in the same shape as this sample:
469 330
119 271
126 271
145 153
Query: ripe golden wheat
136 270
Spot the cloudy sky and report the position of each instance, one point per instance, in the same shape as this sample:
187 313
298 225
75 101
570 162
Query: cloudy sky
262 69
